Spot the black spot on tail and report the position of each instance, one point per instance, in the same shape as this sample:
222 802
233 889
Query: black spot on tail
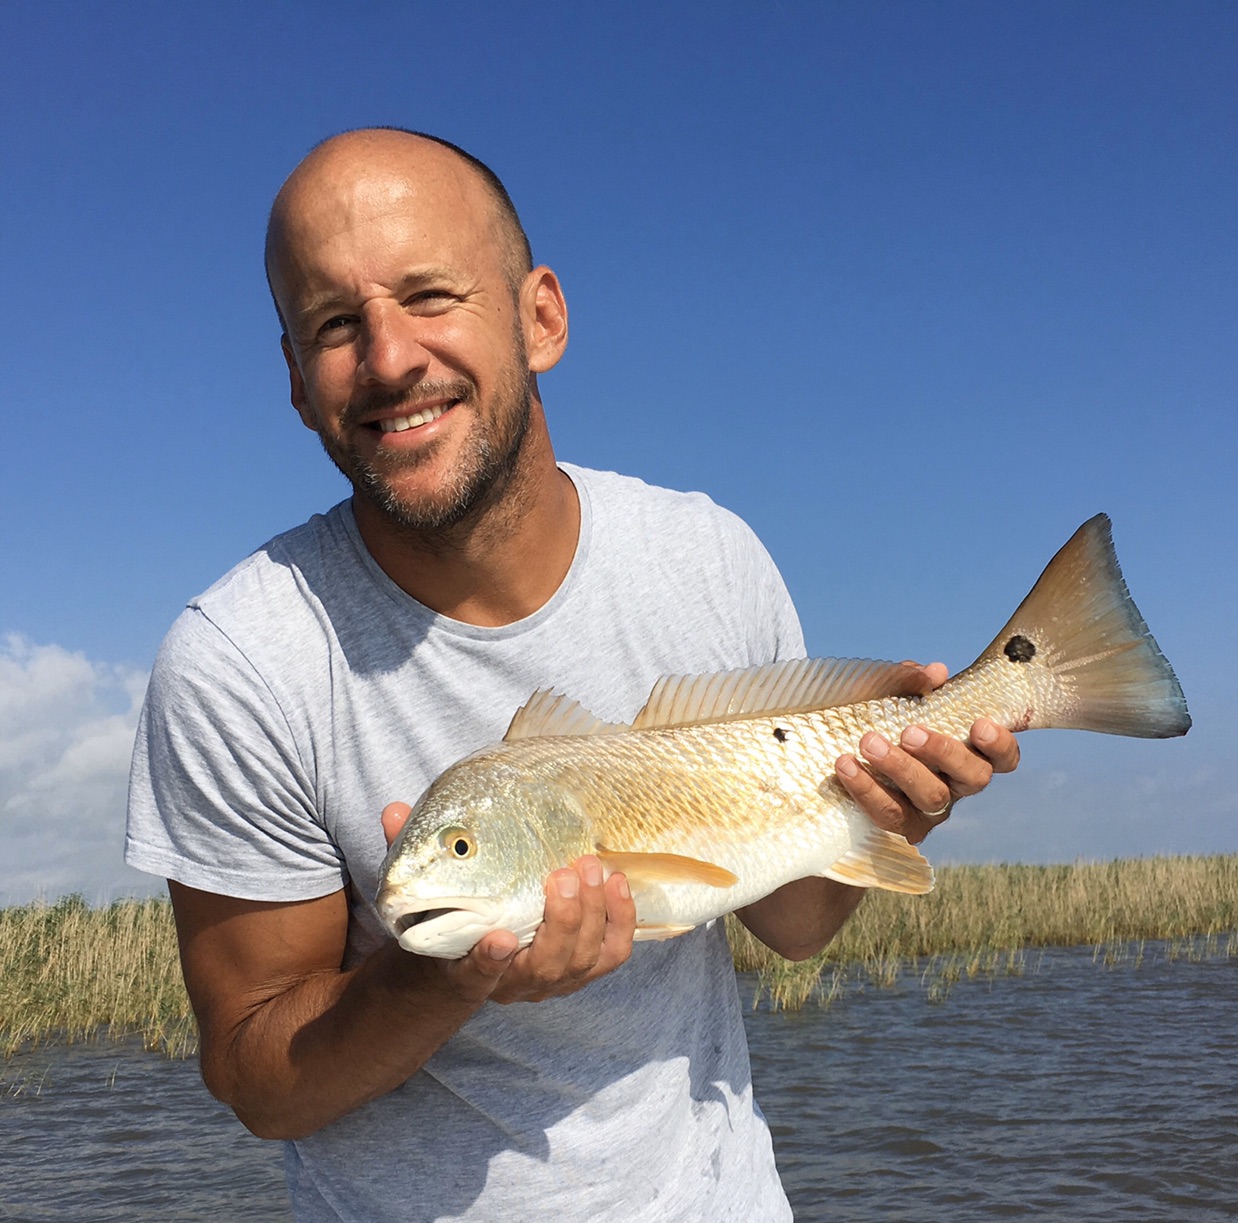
1019 649
780 734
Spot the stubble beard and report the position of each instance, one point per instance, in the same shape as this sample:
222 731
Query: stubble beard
481 474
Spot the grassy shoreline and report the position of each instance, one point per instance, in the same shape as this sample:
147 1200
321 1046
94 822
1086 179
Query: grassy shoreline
70 972
982 920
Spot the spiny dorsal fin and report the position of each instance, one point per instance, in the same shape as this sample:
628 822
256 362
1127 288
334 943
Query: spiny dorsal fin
551 713
798 686
651 870
884 860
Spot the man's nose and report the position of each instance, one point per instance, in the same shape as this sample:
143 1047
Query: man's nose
392 353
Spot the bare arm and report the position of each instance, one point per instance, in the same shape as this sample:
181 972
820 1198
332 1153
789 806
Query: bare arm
292 1043
924 772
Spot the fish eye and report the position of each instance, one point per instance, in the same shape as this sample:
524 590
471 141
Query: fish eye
458 842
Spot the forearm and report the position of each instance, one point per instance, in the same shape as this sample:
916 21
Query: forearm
333 1042
800 918
292 1043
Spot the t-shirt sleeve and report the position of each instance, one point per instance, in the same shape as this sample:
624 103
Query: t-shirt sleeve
220 795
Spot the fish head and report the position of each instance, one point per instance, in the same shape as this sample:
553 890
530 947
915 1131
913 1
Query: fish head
473 857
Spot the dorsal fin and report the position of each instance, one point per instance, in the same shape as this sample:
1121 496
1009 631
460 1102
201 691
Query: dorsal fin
548 712
798 686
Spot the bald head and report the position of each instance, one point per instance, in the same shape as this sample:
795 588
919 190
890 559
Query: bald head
401 164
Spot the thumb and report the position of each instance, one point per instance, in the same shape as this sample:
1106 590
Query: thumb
394 817
933 674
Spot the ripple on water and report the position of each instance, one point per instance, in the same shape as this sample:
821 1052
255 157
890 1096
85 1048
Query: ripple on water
1076 1092
109 1133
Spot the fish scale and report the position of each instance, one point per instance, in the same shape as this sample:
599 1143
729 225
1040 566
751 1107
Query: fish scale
722 789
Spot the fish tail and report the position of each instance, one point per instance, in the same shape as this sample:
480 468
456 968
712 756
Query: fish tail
1080 628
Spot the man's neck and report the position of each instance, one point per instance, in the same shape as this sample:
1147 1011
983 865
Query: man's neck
502 564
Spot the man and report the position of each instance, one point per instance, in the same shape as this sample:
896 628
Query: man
348 662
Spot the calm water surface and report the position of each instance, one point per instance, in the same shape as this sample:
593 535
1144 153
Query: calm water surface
1075 1092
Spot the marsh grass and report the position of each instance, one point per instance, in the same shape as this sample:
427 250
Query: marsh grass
69 972
980 921
75 973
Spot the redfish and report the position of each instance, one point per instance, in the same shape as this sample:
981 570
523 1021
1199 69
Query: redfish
722 788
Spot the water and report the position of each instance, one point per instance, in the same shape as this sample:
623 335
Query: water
103 1133
1075 1092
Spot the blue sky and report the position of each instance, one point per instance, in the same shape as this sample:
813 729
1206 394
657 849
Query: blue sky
915 288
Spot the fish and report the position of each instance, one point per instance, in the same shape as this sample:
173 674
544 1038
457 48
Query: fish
722 788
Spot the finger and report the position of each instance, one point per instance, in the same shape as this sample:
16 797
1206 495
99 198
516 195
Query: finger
476 976
620 924
935 673
593 917
924 788
922 680
540 969
880 803
394 817
998 745
962 770
552 946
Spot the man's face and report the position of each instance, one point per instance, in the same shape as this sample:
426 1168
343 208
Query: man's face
405 343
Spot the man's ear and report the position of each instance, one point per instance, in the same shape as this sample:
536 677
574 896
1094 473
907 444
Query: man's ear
543 314
296 385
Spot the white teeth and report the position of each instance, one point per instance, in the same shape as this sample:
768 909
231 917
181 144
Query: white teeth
399 423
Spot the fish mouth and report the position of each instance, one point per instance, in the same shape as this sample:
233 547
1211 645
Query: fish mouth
409 920
445 927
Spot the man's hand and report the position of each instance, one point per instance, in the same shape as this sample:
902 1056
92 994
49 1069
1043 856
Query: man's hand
586 932
910 787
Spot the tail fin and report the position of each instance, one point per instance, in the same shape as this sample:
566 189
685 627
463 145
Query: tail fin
1081 624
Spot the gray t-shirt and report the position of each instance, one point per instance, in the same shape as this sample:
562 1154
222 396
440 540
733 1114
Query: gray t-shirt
305 690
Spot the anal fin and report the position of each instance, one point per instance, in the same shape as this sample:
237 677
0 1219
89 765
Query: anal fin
650 934
884 860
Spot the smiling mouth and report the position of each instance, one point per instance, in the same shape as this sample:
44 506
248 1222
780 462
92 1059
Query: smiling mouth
399 424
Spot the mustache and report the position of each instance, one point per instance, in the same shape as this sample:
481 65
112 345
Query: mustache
411 398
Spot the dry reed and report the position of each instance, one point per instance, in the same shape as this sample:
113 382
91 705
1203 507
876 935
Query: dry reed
70 972
979 919
74 973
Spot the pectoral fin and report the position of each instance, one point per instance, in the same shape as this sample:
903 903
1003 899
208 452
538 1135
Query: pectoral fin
653 870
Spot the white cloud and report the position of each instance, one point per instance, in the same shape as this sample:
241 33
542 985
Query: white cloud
66 735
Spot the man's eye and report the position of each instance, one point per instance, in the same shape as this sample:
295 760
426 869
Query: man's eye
430 299
337 328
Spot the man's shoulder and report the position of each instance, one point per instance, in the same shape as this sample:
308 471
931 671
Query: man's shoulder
271 613
631 499
282 567
678 549
275 602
